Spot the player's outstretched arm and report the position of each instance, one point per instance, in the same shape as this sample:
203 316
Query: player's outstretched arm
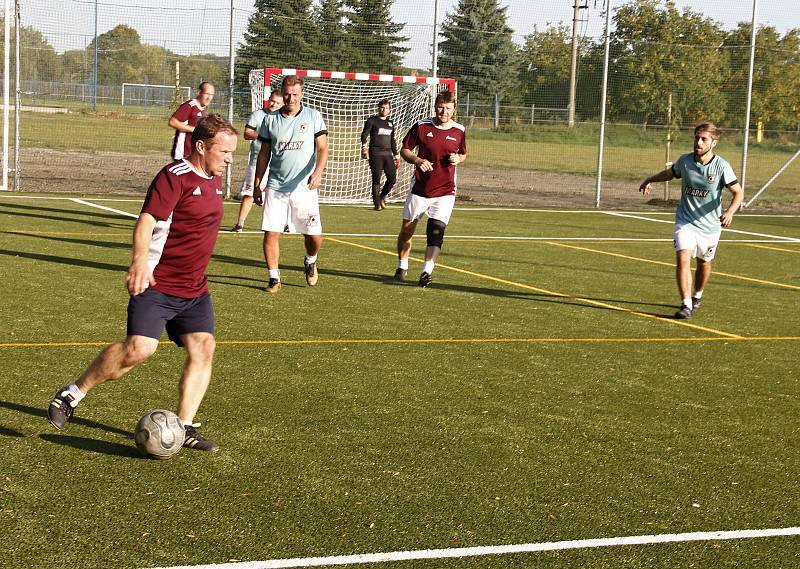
262 162
663 176
139 275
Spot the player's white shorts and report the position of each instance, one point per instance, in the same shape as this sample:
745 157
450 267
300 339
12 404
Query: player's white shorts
249 178
440 208
299 210
702 245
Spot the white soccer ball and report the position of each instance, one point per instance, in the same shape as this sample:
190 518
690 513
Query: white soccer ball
160 434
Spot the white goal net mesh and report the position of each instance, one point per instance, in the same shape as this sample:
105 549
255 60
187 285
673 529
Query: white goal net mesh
345 104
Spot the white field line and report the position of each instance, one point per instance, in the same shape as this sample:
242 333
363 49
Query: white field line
458 552
779 237
106 208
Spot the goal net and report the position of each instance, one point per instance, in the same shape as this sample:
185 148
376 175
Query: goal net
345 101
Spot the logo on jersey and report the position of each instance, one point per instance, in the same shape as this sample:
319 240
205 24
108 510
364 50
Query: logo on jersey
429 135
290 145
448 137
710 178
384 131
303 128
197 192
696 192
219 192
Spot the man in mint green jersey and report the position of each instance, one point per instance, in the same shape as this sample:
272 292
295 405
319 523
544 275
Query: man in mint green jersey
699 219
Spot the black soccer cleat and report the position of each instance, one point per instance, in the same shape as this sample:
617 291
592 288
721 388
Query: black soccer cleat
425 279
60 410
273 286
197 441
237 228
684 313
696 302
400 275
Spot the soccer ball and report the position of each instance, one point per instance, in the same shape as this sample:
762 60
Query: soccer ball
160 434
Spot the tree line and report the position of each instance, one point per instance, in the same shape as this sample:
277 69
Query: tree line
655 49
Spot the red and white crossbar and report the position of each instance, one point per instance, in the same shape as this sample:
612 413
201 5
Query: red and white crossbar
450 83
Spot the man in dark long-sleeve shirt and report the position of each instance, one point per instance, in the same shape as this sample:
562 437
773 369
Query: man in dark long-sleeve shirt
381 151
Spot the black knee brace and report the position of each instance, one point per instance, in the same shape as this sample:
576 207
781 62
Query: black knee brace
435 232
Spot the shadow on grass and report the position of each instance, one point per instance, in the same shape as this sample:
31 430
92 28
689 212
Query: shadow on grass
63 260
37 412
5 432
94 445
27 210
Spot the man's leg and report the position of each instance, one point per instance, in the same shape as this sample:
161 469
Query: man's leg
193 385
313 245
113 362
272 251
683 275
390 170
244 210
404 248
376 169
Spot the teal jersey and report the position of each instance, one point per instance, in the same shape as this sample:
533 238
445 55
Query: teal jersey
701 192
293 149
255 121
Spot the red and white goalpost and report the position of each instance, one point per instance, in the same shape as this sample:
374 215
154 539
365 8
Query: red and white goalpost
346 100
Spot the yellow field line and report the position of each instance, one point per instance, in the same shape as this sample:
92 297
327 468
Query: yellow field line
716 273
754 245
434 341
553 293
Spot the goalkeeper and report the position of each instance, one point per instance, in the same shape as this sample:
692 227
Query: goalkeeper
381 151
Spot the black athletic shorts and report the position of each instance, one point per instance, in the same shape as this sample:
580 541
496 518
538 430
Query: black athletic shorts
152 311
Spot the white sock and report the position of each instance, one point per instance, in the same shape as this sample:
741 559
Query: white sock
76 393
687 302
311 259
275 274
241 222
402 264
428 267
698 294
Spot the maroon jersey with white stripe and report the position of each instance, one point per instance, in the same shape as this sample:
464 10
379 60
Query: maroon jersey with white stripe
188 208
189 113
435 145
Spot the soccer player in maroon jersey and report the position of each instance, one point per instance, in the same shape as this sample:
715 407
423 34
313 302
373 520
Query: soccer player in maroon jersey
186 117
172 244
441 145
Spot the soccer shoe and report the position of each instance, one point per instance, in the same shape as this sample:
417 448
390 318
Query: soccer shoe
60 409
197 441
696 302
383 203
274 285
684 313
400 275
312 276
425 279
236 228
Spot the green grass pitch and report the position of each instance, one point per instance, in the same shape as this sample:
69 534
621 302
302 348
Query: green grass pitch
534 393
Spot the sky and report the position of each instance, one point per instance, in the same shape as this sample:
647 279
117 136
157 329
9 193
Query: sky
202 25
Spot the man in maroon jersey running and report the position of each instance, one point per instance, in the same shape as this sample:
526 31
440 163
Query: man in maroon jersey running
185 119
441 145
172 244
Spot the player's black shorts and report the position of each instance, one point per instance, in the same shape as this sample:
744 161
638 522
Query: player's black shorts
152 311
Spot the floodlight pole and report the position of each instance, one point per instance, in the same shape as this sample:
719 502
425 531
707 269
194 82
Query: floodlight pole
603 108
6 89
435 60
749 94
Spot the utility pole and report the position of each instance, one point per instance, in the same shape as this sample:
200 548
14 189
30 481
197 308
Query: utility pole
573 73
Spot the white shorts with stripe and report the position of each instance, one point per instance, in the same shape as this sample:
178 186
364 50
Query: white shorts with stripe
298 210
440 208
249 178
702 245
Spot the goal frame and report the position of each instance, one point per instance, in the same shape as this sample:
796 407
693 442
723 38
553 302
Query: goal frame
261 84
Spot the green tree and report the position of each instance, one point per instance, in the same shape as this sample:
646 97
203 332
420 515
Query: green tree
478 51
375 43
331 18
776 76
39 61
658 50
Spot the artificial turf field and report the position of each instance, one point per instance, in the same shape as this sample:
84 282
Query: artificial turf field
537 392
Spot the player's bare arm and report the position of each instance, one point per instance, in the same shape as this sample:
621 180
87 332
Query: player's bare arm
411 158
139 274
456 159
180 125
663 176
262 162
738 197
250 133
321 143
